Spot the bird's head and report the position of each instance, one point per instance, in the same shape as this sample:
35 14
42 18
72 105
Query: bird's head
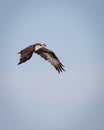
43 44
38 46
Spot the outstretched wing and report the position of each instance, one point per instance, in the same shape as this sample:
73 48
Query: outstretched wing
25 54
51 57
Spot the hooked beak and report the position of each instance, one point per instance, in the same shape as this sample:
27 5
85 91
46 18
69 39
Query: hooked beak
44 44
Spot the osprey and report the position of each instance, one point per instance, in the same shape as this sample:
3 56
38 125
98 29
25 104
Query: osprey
45 53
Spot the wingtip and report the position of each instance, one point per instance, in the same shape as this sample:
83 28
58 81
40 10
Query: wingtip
60 69
19 63
18 53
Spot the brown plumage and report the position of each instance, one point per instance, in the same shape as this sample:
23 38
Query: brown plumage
40 49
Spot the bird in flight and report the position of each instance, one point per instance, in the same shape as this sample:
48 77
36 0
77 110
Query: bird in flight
39 48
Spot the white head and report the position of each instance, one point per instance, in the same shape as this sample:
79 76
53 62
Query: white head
39 46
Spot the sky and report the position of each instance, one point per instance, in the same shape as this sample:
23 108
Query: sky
33 96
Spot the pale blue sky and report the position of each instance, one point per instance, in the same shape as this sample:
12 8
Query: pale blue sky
33 96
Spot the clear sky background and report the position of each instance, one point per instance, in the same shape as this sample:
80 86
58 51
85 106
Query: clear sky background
33 96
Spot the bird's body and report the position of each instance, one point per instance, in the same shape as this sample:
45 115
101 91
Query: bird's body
45 53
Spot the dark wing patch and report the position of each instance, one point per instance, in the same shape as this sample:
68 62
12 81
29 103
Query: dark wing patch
25 54
52 58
